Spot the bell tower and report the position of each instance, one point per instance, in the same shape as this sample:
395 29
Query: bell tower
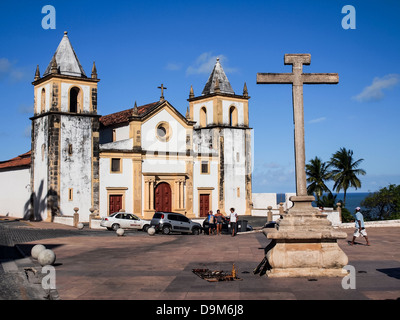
222 130
65 137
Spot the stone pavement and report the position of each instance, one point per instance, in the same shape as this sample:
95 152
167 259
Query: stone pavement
98 265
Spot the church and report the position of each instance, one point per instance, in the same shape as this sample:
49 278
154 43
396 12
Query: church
143 159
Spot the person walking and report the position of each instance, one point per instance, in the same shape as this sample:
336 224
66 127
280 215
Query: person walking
220 218
211 223
360 229
233 219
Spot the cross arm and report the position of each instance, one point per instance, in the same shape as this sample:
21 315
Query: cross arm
320 78
275 78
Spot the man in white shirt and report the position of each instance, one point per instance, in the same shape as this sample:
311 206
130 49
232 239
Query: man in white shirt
233 219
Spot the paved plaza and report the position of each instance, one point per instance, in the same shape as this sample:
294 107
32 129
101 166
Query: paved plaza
98 265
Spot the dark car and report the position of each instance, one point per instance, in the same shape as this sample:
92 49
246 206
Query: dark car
226 227
168 222
271 224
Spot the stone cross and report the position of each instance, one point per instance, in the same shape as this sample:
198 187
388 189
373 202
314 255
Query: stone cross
162 91
297 78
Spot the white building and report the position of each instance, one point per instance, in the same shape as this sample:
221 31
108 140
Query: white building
143 159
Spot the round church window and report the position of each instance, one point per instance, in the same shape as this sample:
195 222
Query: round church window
163 131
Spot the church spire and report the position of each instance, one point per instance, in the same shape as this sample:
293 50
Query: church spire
223 82
65 60
37 73
191 93
135 111
53 68
94 71
245 92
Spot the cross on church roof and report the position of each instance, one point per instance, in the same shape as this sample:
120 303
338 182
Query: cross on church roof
162 91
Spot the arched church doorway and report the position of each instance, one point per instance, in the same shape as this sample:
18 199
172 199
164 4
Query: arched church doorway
163 197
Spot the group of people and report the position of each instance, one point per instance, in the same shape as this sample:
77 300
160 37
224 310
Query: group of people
215 221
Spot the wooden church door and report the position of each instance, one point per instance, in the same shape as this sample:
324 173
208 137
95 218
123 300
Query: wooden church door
204 205
162 196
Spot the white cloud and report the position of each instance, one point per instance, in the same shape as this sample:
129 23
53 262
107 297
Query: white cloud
374 92
317 120
5 65
172 66
205 63
273 177
9 71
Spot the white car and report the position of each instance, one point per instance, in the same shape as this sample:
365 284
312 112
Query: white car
125 221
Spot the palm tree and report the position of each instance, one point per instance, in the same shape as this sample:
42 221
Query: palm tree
345 171
317 173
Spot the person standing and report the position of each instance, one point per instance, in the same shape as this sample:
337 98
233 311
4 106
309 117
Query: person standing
220 218
360 229
211 223
233 219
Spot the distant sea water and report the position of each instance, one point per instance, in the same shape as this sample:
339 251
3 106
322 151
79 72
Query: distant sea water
353 199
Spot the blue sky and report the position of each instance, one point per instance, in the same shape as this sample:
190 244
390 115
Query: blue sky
139 45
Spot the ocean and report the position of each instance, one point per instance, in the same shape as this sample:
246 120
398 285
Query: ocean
353 199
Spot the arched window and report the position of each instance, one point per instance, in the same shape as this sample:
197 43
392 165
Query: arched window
233 116
203 117
74 97
43 100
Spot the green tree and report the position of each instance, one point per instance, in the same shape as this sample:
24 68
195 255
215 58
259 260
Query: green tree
317 173
384 204
345 171
327 201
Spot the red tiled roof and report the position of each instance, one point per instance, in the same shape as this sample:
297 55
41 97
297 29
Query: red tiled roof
123 116
23 160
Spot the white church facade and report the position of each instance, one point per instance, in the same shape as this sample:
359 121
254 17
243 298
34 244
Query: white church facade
143 159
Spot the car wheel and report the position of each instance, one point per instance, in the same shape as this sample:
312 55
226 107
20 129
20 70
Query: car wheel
146 227
166 230
196 231
115 226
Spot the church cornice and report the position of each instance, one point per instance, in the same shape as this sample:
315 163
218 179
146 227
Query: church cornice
36 116
219 94
221 126
65 77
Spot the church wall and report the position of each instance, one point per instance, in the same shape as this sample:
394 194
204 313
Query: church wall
177 136
115 183
38 93
235 170
65 88
210 111
122 133
161 164
226 105
75 166
205 183
40 166
15 192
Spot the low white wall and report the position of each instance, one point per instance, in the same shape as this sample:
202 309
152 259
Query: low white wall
67 220
95 224
15 192
372 224
333 216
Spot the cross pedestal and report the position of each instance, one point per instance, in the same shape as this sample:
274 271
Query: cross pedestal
304 243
